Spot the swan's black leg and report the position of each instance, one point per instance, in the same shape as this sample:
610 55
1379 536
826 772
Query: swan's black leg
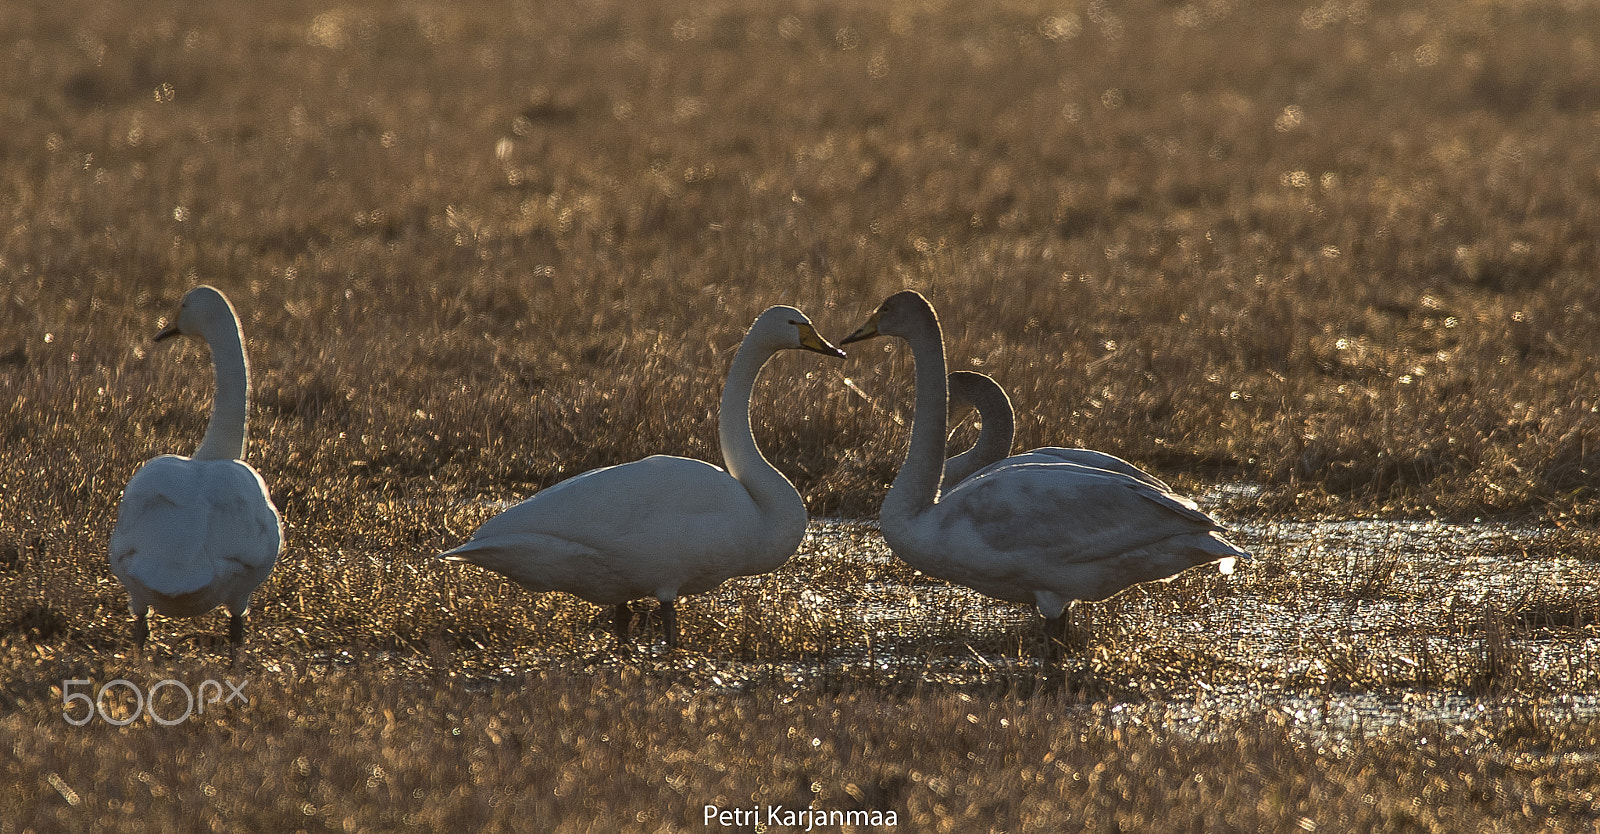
141 629
669 622
1055 630
1066 631
624 616
235 630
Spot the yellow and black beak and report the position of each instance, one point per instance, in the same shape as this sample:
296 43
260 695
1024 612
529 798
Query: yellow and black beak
167 332
865 331
810 339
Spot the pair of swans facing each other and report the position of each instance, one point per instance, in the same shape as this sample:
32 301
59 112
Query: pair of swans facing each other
1047 527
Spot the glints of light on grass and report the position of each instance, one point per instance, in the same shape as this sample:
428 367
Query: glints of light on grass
1344 252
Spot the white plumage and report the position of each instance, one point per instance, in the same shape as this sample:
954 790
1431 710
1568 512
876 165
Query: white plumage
999 429
1030 532
662 526
198 532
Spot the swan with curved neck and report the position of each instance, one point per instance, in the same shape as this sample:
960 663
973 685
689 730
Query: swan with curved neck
662 526
1039 533
193 533
968 388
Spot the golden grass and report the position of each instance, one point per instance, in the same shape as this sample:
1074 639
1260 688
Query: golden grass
1350 258
1345 252
620 750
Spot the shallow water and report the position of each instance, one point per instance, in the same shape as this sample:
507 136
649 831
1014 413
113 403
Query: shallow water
1334 627
1339 627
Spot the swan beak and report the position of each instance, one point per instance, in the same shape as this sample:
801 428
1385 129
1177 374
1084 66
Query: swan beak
166 332
865 331
810 339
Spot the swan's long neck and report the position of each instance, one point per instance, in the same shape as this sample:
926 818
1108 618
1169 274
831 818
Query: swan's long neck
766 485
994 441
916 487
999 426
225 434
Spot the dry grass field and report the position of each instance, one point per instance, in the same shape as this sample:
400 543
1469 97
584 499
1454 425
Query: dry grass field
1336 258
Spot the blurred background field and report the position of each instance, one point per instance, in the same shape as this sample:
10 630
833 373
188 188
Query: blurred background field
1311 260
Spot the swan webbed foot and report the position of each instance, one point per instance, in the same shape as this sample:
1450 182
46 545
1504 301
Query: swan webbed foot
624 617
669 622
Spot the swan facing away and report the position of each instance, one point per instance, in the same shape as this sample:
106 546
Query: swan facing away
1031 532
662 526
979 391
198 532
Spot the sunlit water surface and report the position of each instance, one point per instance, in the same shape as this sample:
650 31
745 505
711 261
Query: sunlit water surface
1335 628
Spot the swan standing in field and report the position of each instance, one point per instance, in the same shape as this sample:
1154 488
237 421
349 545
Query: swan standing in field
1040 533
662 526
198 532
993 445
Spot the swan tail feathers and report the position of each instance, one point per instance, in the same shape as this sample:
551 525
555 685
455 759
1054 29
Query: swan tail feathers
1161 561
529 559
1210 548
1231 554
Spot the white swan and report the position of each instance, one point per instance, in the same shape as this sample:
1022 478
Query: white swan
662 526
979 391
1040 533
195 533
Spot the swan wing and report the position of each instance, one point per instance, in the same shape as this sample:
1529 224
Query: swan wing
1084 532
188 528
1087 458
1026 503
968 464
1096 471
1096 460
662 525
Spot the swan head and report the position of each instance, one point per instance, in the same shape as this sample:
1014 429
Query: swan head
203 309
902 314
789 328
